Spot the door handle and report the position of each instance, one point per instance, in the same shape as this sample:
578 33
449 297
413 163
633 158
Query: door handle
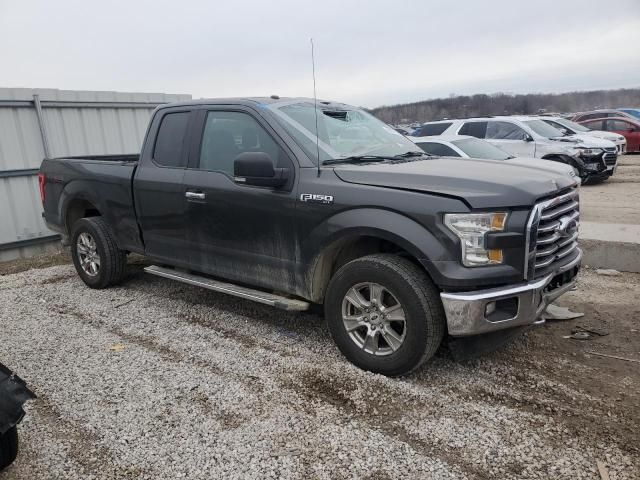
195 195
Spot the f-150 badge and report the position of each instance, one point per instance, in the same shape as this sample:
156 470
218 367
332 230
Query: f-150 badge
316 198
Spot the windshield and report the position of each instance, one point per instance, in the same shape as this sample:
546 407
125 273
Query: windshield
572 125
476 148
543 128
344 131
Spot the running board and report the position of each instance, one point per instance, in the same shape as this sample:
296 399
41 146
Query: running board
277 301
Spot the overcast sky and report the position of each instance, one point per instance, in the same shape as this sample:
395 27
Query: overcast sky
367 52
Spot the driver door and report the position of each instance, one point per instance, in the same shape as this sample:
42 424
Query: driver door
235 231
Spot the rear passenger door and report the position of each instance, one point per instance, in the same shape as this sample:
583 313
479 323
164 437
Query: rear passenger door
158 189
629 130
236 231
510 137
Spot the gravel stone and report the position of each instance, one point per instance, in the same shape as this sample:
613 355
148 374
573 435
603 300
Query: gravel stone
203 385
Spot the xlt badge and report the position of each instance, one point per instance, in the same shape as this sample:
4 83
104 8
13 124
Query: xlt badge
316 198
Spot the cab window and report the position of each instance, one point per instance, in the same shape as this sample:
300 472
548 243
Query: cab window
170 141
228 134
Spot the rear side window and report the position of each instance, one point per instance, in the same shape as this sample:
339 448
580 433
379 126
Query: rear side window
475 129
432 129
168 150
618 126
438 149
505 131
594 124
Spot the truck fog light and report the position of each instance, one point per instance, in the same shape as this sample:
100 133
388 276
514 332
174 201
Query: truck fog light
489 309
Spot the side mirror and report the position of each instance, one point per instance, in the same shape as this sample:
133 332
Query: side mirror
256 168
528 138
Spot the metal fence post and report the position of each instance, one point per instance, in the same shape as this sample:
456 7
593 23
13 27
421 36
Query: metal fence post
43 132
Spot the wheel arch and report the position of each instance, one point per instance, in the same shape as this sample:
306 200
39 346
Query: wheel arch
361 232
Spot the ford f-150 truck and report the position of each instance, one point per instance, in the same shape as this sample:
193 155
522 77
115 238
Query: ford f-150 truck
403 249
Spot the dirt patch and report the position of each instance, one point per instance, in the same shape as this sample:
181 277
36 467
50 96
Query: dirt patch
40 261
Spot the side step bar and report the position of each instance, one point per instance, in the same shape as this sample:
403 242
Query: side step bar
277 301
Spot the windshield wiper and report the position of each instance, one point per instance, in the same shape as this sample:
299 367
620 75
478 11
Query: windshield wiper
414 153
373 158
358 159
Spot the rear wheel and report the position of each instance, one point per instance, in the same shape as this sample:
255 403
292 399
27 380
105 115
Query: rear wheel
384 314
96 256
8 447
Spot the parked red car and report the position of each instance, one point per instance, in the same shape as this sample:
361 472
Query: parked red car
598 114
629 128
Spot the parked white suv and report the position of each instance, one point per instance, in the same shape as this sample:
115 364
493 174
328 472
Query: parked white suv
569 127
524 136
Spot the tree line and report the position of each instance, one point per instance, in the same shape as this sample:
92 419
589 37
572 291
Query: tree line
463 106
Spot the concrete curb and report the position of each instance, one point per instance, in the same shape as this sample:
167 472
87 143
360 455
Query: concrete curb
622 256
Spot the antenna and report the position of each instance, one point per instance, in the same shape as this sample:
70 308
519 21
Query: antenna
315 104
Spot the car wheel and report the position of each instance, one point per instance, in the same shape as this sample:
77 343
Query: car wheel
96 256
8 447
384 314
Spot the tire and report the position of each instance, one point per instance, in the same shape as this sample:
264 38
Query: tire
8 447
421 332
112 261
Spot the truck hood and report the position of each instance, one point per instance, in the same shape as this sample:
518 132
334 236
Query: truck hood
481 184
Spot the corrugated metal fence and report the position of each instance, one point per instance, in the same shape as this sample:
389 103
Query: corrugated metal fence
39 123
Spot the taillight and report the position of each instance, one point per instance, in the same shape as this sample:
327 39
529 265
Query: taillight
41 181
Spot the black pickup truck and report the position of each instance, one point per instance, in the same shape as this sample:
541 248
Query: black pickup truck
402 248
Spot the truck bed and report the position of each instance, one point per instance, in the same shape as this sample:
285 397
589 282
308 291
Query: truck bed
93 182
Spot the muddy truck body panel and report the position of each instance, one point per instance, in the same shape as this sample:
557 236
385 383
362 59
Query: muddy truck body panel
244 190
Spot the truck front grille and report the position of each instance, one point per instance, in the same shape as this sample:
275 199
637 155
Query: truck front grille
552 234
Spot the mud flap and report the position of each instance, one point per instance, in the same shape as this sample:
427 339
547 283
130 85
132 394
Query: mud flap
468 348
13 394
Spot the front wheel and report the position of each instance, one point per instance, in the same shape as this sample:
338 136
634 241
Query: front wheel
384 314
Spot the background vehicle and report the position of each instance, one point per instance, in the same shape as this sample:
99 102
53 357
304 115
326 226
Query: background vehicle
569 127
602 113
402 130
463 146
627 127
13 394
523 136
431 128
634 112
401 248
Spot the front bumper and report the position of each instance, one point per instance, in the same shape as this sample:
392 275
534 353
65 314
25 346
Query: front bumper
483 311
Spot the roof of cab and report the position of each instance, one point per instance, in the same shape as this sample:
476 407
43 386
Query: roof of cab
254 101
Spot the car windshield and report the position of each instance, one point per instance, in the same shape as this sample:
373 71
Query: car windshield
572 125
476 148
542 128
343 131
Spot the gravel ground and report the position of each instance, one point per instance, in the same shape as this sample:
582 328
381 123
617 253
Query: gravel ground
615 200
156 379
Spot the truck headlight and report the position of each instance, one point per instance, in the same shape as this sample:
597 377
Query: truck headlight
471 228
